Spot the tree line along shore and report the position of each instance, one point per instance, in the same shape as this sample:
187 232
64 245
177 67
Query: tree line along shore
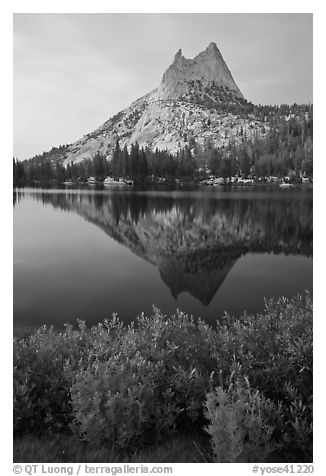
284 152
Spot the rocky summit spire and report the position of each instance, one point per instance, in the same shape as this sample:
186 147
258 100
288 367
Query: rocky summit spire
178 55
208 67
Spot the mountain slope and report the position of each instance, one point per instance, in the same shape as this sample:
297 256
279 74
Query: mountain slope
196 101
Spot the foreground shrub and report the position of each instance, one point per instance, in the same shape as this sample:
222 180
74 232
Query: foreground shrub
154 384
297 431
275 351
135 385
119 403
241 423
45 364
41 391
273 347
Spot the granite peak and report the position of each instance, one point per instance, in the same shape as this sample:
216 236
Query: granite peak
196 101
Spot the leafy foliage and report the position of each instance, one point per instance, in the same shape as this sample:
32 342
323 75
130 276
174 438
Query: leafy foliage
242 423
41 385
128 387
274 347
150 387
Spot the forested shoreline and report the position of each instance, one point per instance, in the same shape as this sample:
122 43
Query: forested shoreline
285 151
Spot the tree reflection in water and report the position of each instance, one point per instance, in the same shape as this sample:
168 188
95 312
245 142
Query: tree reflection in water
195 240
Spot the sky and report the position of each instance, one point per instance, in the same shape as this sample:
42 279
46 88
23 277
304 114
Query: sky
72 72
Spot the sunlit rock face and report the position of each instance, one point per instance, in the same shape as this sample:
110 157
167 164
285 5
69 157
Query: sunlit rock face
194 245
188 106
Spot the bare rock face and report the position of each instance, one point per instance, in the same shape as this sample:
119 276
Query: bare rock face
192 103
207 67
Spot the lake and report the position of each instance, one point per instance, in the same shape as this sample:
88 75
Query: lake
85 254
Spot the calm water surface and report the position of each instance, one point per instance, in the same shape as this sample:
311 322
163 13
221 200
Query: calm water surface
84 254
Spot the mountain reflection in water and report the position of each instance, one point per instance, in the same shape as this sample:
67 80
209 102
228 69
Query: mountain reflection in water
194 239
